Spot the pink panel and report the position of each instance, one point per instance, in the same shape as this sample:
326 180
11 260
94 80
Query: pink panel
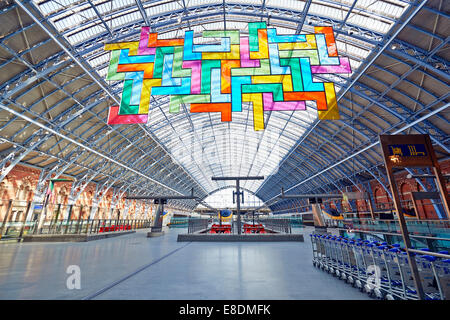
343 67
115 118
196 66
143 43
270 105
246 62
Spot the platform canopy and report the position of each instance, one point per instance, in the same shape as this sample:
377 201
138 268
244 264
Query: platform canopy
55 99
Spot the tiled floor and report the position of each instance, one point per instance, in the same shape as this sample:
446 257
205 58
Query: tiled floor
169 270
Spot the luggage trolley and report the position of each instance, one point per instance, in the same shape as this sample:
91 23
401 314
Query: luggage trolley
360 262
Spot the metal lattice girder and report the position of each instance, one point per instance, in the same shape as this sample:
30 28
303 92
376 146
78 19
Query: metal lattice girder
197 13
39 193
438 208
347 157
207 10
307 160
16 155
114 199
137 209
100 191
126 208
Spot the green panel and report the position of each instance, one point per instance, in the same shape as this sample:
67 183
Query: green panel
275 88
311 54
253 34
176 100
159 60
294 64
112 70
232 34
125 107
207 65
263 70
178 71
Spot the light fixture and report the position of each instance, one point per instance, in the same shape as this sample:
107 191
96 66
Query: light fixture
395 158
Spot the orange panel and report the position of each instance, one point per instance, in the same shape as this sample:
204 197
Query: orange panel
318 96
154 42
329 38
226 66
224 108
146 67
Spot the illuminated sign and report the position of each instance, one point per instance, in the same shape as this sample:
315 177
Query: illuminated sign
408 150
273 72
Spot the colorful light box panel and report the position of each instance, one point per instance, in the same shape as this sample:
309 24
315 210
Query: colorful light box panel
273 72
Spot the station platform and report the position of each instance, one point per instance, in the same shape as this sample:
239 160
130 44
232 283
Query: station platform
136 267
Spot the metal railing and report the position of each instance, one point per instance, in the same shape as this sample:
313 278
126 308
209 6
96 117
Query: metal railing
19 218
195 224
422 227
277 224
16 230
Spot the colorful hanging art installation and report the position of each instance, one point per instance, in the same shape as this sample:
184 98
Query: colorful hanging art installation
273 72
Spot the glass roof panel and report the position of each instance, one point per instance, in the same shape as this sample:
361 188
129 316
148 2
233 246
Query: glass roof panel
224 199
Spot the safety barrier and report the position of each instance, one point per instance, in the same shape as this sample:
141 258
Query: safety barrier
196 224
380 269
16 230
277 224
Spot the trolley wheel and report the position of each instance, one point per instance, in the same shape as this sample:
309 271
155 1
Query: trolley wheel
378 293
368 290
389 297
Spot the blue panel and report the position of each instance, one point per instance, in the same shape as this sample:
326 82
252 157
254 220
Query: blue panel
216 95
124 58
273 37
275 61
224 46
236 90
137 77
167 79
308 83
188 54
323 51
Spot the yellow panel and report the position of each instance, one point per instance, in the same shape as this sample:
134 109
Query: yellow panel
258 109
146 93
309 44
333 112
286 79
263 49
234 54
133 46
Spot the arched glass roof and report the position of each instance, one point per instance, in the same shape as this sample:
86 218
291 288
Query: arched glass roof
223 199
54 69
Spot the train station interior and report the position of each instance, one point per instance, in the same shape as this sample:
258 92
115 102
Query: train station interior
224 149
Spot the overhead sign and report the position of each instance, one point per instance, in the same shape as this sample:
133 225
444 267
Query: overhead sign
407 150
272 72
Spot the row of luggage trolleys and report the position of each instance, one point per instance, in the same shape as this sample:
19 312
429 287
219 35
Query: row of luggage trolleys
380 269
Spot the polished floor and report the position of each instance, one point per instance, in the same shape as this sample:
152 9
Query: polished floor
136 267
